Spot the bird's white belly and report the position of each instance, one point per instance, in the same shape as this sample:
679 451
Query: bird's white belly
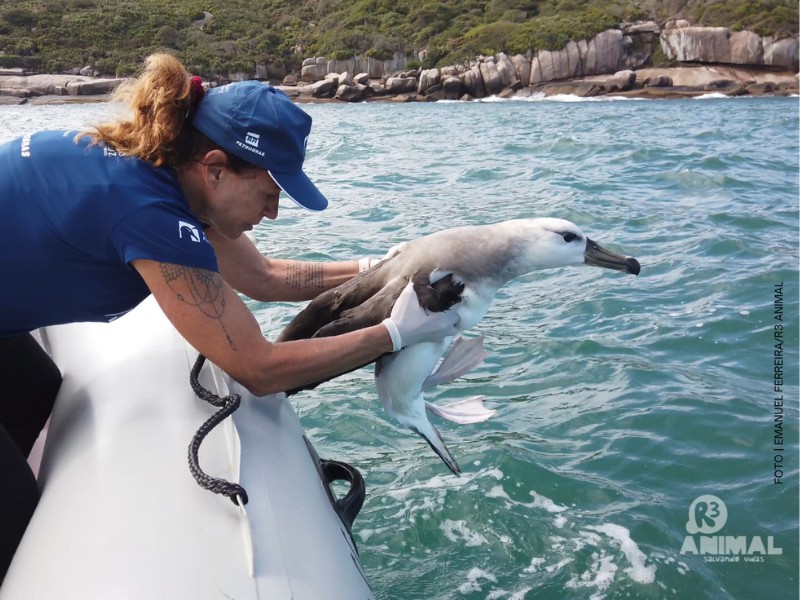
399 378
475 301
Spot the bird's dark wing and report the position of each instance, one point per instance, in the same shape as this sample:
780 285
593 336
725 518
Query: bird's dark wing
364 301
329 306
370 312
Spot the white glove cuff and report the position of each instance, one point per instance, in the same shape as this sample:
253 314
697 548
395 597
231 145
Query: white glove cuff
365 264
394 333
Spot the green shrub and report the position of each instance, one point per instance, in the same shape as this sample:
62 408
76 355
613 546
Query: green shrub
106 66
170 37
379 53
341 54
11 61
489 39
554 32
24 47
659 59
33 63
19 17
63 34
765 17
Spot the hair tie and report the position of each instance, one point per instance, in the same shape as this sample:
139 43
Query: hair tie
196 92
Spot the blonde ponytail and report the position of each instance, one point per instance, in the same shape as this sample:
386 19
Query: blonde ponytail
159 102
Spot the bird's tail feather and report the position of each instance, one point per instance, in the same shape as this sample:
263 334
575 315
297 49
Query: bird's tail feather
431 435
463 412
462 356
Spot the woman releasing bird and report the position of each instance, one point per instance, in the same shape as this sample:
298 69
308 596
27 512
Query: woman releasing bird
461 270
157 202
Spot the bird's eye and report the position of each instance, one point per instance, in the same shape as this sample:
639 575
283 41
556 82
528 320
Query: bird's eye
569 236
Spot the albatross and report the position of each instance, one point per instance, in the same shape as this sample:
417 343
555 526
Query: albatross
458 269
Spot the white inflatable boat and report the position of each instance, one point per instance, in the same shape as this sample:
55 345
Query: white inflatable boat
121 517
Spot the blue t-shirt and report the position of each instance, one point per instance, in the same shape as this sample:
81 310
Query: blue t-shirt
72 218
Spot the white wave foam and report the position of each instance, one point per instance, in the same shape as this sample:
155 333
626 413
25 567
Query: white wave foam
443 482
573 98
600 575
472 584
559 565
540 501
536 564
599 542
519 595
637 571
457 531
710 96
567 98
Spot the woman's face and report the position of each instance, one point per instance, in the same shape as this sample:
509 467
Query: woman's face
241 200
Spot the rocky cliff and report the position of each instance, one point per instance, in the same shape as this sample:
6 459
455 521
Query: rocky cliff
616 61
615 54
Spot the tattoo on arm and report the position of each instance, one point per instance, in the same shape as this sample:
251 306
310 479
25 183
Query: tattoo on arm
205 291
305 275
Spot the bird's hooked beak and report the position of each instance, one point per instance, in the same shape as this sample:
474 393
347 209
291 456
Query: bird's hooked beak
598 256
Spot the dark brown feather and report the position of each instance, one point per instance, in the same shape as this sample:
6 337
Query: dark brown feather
365 300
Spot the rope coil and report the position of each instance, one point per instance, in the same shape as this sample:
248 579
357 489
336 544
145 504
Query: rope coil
227 406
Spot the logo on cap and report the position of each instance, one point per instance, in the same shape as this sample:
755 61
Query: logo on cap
252 138
251 143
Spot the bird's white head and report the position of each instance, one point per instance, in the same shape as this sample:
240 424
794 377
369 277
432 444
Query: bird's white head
550 243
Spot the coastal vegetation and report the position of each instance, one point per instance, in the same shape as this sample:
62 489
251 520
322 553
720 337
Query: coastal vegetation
223 36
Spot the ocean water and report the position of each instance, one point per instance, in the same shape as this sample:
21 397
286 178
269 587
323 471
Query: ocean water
630 410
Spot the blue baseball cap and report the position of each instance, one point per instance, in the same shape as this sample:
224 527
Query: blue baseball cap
263 127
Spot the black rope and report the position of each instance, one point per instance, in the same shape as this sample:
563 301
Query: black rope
227 406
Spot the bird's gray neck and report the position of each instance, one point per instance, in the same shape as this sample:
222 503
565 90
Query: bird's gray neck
485 252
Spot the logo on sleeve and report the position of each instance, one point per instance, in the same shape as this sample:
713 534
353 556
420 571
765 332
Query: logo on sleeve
191 232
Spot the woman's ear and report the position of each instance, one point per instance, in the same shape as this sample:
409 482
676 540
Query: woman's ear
214 164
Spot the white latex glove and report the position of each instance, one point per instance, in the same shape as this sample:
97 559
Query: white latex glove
409 324
365 264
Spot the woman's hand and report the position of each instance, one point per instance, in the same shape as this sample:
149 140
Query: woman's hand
411 324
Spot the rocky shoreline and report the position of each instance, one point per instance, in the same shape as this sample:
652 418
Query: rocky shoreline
616 62
647 83
17 87
650 83
613 62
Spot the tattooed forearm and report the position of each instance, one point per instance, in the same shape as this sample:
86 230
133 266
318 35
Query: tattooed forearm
305 275
200 288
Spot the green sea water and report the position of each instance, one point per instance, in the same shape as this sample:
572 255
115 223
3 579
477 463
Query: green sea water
630 410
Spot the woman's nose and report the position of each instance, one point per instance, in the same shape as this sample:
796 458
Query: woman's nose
271 210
